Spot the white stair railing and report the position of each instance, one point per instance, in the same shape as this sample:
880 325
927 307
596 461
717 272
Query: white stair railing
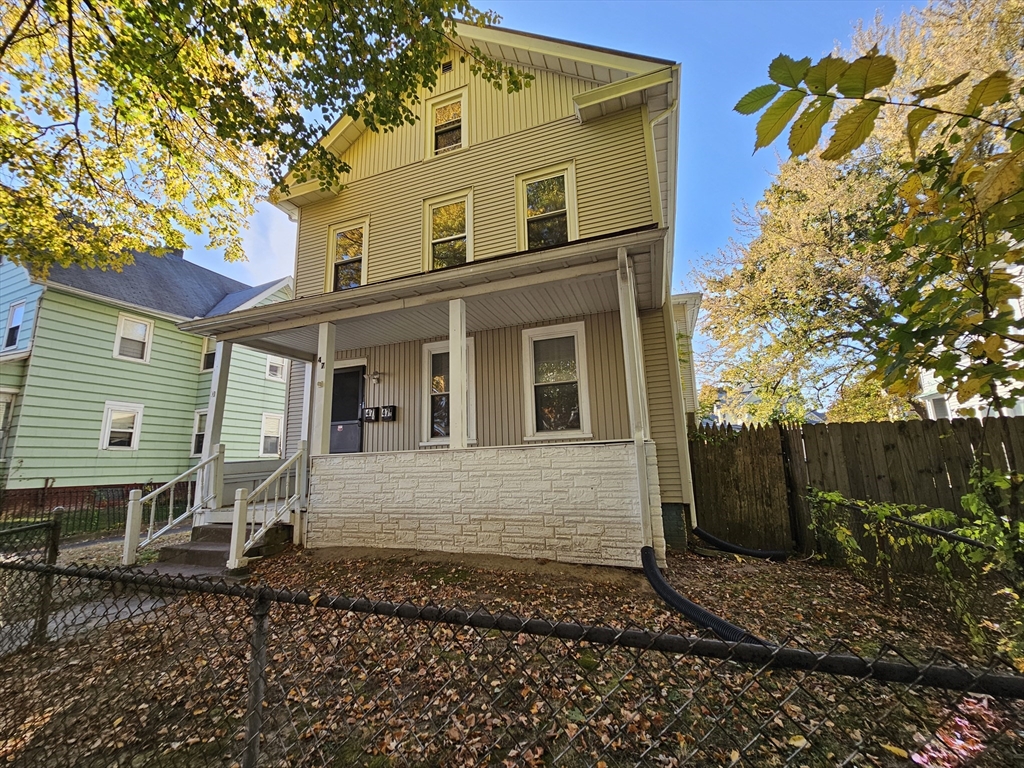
272 500
203 484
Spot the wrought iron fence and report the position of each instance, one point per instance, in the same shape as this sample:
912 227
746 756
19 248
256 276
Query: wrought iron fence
148 670
87 510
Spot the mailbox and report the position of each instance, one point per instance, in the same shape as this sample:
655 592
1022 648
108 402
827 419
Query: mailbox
387 412
371 414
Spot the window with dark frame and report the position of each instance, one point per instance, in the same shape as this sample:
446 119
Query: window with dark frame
556 390
547 212
448 127
448 235
347 258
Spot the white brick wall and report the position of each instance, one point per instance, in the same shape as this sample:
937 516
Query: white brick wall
576 503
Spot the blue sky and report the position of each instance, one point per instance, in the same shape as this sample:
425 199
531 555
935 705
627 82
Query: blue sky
724 48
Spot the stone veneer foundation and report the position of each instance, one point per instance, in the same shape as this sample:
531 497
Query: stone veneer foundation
572 502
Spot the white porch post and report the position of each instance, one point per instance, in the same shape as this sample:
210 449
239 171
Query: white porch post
458 388
215 416
323 392
630 343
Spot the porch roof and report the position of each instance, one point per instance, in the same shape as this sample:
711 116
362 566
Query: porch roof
566 281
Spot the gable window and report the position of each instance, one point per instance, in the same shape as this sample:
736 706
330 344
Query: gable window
209 353
546 206
436 390
347 256
444 118
134 337
555 376
122 425
270 434
198 432
275 368
448 231
15 317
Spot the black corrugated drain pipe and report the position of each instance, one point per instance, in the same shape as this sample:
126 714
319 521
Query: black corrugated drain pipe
699 616
764 554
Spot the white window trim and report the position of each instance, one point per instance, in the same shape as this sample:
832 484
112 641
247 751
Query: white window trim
195 431
108 412
572 216
428 350
460 94
7 327
284 369
344 226
465 195
553 332
121 317
209 345
263 433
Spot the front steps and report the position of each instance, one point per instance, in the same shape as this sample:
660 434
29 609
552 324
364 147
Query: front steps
206 555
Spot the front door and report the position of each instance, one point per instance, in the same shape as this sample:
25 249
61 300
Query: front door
346 409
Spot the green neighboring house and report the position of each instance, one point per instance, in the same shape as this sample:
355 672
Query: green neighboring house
98 386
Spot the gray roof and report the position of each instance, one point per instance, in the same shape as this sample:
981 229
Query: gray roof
167 284
234 300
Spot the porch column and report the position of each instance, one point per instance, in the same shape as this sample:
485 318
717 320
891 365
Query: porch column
458 388
323 392
215 419
218 393
630 351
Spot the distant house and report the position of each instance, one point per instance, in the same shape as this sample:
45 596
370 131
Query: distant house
98 386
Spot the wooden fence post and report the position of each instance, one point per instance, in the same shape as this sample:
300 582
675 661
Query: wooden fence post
46 582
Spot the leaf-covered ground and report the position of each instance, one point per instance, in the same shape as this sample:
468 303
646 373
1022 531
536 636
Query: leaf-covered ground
810 602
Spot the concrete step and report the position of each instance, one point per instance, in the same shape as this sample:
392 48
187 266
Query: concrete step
280 533
213 554
183 570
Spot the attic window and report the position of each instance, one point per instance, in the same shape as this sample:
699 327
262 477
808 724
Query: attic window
445 130
446 67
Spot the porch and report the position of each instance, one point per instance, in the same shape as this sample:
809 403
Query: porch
557 465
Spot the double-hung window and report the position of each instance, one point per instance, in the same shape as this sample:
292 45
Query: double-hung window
346 267
15 317
555 377
275 368
546 207
209 353
122 426
270 434
199 432
134 338
446 129
436 389
449 231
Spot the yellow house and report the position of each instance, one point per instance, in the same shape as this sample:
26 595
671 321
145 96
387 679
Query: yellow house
485 316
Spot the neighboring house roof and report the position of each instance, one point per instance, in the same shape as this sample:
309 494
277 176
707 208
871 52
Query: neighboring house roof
165 284
248 297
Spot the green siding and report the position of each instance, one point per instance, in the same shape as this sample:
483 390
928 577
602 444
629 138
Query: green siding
12 373
72 373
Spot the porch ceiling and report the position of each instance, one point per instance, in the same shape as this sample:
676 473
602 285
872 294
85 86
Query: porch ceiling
577 279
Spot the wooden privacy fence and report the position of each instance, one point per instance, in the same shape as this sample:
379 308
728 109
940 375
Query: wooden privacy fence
750 483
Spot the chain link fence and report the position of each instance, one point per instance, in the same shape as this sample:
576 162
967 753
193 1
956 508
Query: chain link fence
145 670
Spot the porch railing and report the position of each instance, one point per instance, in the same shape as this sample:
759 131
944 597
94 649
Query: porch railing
202 488
271 501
